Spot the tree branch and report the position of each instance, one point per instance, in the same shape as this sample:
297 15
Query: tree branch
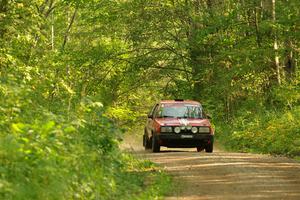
68 29
157 67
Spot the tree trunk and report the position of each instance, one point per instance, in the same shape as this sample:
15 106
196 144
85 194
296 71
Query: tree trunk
3 9
289 68
277 64
52 31
257 17
194 53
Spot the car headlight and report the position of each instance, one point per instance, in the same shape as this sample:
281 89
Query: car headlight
194 129
204 129
166 129
177 129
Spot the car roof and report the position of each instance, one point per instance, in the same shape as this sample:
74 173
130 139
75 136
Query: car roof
179 102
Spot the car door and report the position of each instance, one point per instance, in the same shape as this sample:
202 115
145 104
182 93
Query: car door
150 120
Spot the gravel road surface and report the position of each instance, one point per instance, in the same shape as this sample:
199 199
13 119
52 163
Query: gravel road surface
226 175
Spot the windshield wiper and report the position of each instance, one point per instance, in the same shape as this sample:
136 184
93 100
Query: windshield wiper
185 117
167 116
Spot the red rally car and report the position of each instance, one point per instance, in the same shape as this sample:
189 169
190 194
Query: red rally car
178 123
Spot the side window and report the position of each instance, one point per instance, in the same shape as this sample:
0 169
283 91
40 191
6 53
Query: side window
153 110
157 111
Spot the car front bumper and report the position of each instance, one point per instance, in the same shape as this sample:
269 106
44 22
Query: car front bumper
184 140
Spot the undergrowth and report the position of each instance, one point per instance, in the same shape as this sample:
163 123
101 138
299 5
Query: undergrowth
58 152
273 132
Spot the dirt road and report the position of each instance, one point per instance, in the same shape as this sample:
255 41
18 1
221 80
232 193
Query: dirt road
223 175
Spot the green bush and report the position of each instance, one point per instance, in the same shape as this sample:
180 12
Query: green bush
271 132
65 153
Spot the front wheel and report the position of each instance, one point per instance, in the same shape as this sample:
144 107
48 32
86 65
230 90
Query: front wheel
209 148
199 149
146 142
155 144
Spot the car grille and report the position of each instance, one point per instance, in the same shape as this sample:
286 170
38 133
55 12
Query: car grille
188 132
185 132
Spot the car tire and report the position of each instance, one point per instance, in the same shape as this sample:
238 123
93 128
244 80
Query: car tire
209 148
155 144
146 142
199 149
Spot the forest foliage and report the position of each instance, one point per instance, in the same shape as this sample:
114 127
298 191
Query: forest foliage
75 75
58 133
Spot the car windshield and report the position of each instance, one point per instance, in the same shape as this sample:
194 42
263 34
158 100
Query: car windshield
181 111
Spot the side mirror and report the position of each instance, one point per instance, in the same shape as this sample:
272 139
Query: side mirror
208 116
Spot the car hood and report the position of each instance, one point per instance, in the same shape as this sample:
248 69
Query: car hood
182 122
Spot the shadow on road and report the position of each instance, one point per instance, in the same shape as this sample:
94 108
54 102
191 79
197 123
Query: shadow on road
226 175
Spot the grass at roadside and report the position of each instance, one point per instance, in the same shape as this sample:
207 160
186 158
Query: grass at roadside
297 158
272 133
152 181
